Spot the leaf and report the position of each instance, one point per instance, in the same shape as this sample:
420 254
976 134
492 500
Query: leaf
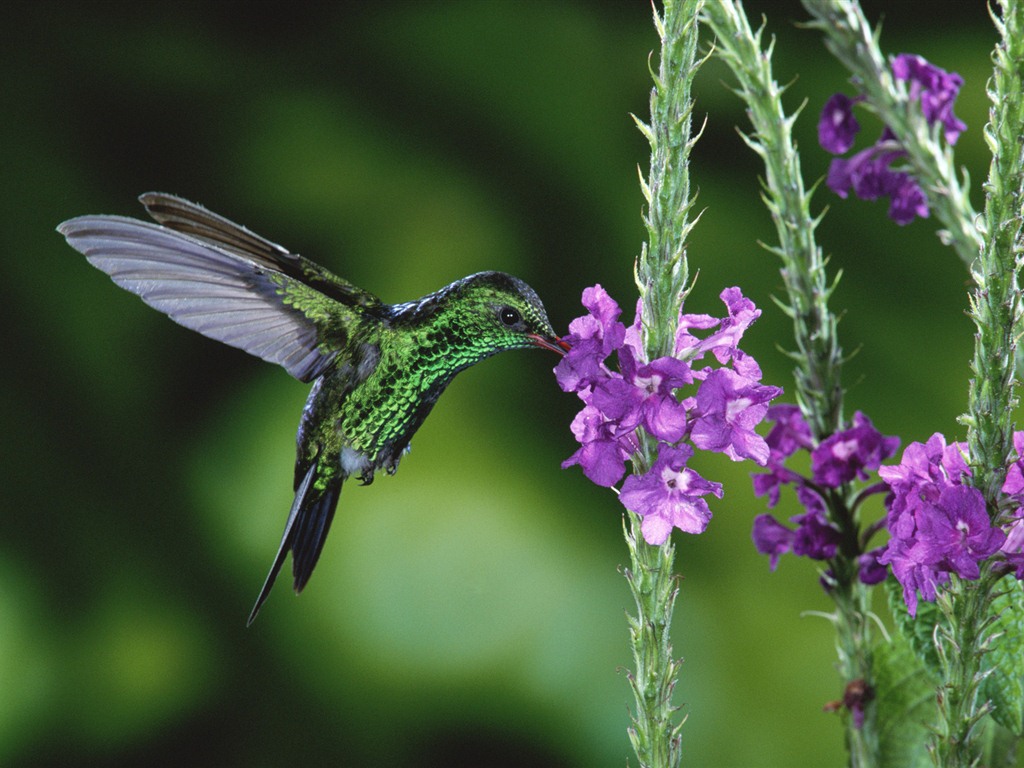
905 704
918 631
1005 686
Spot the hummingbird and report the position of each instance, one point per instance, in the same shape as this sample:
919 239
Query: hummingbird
377 369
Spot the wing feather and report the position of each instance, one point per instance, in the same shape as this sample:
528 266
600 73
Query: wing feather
218 291
192 219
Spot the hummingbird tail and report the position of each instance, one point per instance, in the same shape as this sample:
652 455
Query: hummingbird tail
309 520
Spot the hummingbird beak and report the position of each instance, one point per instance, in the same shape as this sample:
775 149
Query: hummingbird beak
559 346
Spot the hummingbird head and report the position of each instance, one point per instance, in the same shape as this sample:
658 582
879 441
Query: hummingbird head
506 313
489 312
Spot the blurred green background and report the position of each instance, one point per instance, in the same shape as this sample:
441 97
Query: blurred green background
468 612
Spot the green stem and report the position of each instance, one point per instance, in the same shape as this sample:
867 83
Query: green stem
962 642
995 302
818 356
662 275
661 271
995 309
654 734
853 648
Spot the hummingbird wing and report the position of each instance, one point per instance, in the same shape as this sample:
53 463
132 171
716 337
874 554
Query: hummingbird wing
195 220
228 284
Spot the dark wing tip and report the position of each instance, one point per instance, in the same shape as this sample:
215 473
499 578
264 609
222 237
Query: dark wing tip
152 200
71 226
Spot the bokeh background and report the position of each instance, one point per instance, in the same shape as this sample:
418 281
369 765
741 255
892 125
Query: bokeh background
469 611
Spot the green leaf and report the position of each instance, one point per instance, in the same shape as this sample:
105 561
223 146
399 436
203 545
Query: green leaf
1005 686
905 704
917 631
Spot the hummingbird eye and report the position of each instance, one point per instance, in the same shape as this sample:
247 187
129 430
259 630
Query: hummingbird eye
509 316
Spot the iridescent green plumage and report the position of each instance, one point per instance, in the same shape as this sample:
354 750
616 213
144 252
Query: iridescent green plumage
377 368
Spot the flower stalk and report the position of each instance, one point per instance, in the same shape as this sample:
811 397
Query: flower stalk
942 540
961 642
662 272
995 308
955 524
818 355
662 275
995 301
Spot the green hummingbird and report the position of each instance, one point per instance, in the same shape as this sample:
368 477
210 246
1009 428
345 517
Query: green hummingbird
377 369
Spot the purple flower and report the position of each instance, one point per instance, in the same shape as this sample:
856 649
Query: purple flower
813 537
772 538
602 454
604 312
850 453
790 432
669 495
938 524
646 396
935 88
687 344
633 337
723 343
592 338
837 127
956 532
870 173
907 199
770 483
921 475
728 407
618 401
643 395
1014 536
869 570
1013 547
913 571
841 458
1013 486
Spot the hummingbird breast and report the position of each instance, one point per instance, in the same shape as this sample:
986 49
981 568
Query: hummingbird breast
386 409
362 413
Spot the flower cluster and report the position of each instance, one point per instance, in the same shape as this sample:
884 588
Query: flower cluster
870 172
939 524
843 457
642 395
